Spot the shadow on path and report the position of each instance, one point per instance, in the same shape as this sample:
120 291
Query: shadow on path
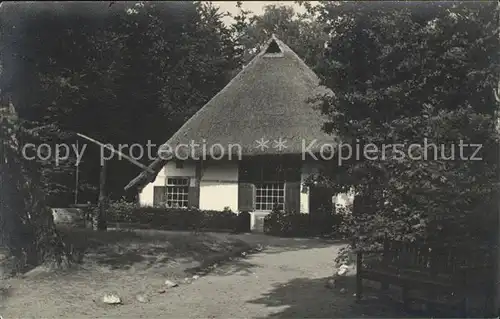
309 298
260 244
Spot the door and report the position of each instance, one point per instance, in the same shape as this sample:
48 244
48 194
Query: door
321 208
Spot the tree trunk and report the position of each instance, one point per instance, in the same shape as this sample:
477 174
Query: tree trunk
101 213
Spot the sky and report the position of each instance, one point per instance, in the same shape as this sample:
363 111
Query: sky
256 7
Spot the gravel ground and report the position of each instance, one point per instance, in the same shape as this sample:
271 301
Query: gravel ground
285 280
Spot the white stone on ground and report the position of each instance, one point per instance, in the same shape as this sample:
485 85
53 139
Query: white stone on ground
338 278
343 270
111 299
170 284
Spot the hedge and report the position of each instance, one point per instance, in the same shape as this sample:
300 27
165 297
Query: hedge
326 223
173 218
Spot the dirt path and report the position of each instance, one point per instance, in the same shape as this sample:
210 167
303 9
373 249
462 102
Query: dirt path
286 279
277 281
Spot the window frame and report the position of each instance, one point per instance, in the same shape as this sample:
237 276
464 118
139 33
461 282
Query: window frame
269 173
261 186
172 186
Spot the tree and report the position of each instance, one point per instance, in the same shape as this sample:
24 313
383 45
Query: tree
132 73
46 78
402 73
26 224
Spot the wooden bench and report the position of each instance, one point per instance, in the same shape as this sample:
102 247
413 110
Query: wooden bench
437 275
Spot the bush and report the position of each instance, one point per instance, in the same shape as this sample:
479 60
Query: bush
322 223
172 218
120 210
283 223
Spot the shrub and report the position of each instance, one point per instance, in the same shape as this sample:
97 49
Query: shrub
325 222
120 209
283 223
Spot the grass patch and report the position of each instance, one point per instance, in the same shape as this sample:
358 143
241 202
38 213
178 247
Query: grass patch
126 262
123 249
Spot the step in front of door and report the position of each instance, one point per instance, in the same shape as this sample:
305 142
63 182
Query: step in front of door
257 221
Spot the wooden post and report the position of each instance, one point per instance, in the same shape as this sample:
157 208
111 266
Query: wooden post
386 260
493 295
359 276
76 177
493 288
494 308
496 255
101 214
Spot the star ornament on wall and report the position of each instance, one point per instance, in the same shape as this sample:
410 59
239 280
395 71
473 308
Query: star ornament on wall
262 144
280 144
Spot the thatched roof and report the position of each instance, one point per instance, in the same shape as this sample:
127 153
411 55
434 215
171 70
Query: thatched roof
268 99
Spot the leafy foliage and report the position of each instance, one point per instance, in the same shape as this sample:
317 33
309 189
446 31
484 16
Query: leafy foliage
402 74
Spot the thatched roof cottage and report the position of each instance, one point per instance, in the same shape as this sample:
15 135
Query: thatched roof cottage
247 148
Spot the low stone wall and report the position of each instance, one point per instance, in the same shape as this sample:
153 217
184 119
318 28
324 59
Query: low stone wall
74 217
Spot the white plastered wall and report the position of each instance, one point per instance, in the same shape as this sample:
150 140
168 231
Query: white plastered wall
219 185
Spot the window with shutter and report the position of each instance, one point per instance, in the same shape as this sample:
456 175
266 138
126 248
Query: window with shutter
267 183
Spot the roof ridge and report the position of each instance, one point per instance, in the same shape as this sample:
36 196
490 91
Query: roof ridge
288 50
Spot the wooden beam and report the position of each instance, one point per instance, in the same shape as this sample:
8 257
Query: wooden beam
146 175
131 160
